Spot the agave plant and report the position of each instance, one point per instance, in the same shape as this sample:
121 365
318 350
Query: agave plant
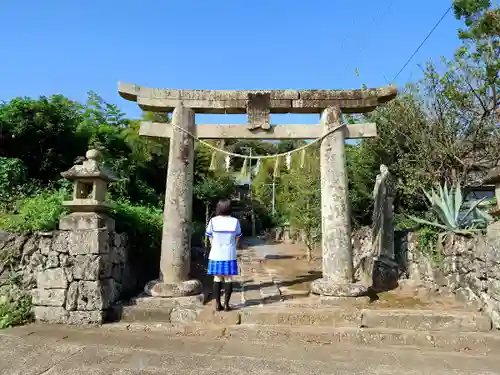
454 214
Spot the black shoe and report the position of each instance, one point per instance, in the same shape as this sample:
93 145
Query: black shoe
228 290
217 290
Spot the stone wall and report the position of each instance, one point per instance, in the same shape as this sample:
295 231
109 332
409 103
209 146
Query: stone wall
468 267
73 276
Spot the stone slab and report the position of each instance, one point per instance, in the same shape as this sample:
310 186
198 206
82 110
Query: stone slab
326 287
86 317
184 315
50 314
157 288
159 302
49 297
237 131
86 242
53 278
141 314
302 317
426 320
270 294
85 221
215 101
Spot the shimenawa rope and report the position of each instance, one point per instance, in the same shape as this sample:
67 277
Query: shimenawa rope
257 157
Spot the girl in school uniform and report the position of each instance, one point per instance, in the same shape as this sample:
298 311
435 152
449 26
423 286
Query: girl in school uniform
224 232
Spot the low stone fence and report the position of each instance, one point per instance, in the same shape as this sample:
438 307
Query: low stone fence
470 268
73 276
467 266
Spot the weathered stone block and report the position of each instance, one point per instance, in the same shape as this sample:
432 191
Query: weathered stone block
84 242
61 242
183 315
30 247
53 278
105 266
37 261
52 260
492 308
68 272
117 255
111 291
45 245
474 283
85 317
85 221
49 297
91 296
65 260
86 267
72 296
50 314
494 289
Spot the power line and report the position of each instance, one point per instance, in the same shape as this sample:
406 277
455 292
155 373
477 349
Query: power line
423 42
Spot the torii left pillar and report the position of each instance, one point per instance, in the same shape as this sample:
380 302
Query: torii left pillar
176 236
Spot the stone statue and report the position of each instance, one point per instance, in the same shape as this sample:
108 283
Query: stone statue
376 262
385 269
383 215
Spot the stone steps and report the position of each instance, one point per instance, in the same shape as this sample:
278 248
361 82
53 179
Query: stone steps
190 310
470 342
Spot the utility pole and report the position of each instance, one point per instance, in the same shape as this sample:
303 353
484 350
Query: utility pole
273 185
252 214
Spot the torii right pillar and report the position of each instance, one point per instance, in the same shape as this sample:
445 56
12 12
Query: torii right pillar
338 273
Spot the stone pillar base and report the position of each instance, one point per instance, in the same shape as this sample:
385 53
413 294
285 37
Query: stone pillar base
158 288
385 275
327 287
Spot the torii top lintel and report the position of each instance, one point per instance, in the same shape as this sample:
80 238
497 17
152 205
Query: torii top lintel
240 101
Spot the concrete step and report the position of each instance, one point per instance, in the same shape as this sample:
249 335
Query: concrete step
421 320
155 309
302 317
470 342
426 320
162 311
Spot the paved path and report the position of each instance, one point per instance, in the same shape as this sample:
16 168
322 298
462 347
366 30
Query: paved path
258 285
35 350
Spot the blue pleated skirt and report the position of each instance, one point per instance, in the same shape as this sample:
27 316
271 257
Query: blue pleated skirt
222 267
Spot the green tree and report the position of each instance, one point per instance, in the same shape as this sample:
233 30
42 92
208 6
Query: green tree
42 133
140 162
299 201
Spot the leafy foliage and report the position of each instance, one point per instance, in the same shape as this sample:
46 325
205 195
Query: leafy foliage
36 213
299 201
15 311
143 226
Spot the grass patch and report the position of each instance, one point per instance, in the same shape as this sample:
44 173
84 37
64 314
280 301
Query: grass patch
14 312
37 213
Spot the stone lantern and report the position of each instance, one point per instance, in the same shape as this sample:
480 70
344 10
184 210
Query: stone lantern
88 205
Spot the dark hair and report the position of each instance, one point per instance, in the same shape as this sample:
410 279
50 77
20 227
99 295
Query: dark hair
223 208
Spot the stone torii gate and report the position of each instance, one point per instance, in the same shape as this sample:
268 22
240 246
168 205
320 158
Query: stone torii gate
337 277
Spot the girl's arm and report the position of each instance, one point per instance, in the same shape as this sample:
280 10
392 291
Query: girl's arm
209 231
238 231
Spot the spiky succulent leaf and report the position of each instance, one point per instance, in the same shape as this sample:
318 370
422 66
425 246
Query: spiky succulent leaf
426 222
471 209
458 201
486 216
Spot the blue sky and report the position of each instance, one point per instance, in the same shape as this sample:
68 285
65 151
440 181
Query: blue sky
71 47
